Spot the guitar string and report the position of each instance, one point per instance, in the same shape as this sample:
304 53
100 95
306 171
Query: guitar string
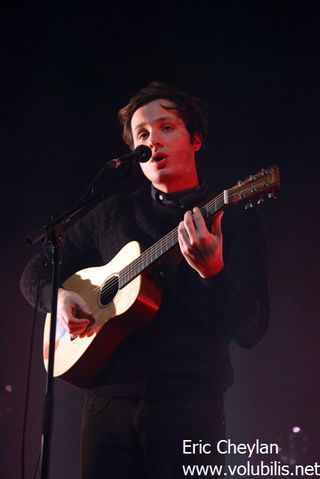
155 251
133 269
163 245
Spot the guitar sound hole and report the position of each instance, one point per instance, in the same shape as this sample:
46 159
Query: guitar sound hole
109 290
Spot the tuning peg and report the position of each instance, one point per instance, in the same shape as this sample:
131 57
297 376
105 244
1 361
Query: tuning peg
272 195
249 205
260 200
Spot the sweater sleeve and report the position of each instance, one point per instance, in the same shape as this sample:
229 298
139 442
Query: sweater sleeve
238 295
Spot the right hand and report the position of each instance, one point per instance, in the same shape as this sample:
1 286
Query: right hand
73 313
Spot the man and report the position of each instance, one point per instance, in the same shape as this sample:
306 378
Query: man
160 396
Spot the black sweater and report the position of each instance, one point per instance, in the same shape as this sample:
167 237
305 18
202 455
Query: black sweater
183 351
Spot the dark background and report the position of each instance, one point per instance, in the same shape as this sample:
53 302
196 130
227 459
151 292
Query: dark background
65 72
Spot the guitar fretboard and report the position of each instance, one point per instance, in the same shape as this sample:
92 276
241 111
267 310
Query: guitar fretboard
158 249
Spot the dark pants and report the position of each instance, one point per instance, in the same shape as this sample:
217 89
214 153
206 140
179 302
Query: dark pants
131 438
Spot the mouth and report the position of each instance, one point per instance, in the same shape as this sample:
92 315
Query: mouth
158 158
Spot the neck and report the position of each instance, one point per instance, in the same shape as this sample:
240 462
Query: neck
178 187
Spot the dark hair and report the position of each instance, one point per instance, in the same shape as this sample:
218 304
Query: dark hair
192 110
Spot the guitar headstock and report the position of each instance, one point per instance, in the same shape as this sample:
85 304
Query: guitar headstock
255 187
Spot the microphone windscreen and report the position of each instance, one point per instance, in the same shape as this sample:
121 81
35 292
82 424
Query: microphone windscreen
143 152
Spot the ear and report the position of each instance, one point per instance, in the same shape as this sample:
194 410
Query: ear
197 141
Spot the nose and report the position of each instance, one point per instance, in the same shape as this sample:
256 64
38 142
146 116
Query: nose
155 140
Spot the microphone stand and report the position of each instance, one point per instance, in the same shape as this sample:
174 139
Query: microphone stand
54 233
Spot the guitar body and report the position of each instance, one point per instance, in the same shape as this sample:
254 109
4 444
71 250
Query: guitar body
117 313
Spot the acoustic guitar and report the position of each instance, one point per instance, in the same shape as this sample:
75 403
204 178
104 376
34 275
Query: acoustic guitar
121 294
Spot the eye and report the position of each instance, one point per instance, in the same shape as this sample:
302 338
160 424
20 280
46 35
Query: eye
166 127
142 135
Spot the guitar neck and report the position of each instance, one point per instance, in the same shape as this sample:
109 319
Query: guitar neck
158 249
254 186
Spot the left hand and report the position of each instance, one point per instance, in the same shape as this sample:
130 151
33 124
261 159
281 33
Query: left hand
201 248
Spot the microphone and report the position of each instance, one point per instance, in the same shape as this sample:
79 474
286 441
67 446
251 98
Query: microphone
142 154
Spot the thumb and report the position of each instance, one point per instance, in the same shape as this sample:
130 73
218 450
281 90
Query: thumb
81 303
216 224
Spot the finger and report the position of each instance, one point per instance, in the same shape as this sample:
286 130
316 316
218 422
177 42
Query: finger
186 248
83 306
77 329
198 220
64 320
73 324
183 236
216 224
88 333
190 227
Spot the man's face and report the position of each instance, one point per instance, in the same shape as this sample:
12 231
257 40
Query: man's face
172 165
